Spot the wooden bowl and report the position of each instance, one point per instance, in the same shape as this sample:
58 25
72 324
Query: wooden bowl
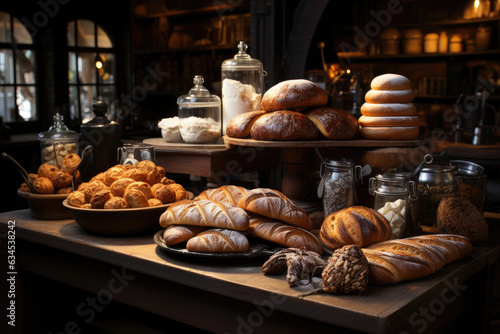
46 206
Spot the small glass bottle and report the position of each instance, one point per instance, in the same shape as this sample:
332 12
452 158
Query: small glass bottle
199 114
338 185
57 142
242 85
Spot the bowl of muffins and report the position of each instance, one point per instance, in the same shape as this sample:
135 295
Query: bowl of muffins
52 185
125 199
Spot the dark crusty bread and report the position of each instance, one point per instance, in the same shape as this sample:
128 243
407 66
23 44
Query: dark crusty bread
334 123
292 94
283 125
218 241
175 234
226 193
356 225
283 234
273 204
399 260
239 126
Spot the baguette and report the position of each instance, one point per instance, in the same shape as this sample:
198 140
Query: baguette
175 234
400 260
228 193
283 234
205 213
273 204
218 241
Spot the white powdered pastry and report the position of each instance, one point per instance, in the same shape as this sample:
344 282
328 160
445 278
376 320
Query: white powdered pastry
395 213
199 130
170 129
237 98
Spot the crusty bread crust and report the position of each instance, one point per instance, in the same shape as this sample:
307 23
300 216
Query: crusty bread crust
283 125
334 123
389 96
390 133
390 81
292 94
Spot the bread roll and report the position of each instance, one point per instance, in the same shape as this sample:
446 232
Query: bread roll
273 204
227 193
388 109
283 125
356 225
333 123
390 81
389 96
240 125
218 241
411 258
389 133
293 94
175 234
388 121
283 234
205 213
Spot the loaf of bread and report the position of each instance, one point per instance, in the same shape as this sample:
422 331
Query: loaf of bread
389 96
399 260
388 109
227 193
273 204
175 234
283 234
356 225
283 125
293 94
239 126
390 81
218 241
333 123
389 133
392 121
205 213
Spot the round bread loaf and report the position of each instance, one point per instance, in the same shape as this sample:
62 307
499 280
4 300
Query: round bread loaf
292 94
388 109
390 133
389 96
333 123
390 81
283 125
378 121
240 125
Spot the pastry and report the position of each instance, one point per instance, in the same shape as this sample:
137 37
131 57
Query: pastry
100 198
70 163
388 109
43 185
143 187
77 198
390 133
118 187
116 203
389 96
165 194
390 81
136 198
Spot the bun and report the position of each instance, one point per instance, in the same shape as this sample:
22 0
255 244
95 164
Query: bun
283 234
283 125
333 123
390 81
175 234
411 258
273 204
389 96
356 225
240 125
205 213
388 109
218 241
390 133
227 193
390 121
293 94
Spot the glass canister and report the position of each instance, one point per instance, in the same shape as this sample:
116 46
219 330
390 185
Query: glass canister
392 194
338 186
57 142
199 114
242 85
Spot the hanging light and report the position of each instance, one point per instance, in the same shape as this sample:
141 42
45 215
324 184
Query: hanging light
99 62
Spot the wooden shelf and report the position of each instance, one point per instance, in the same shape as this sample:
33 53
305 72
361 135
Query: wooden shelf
222 9
432 56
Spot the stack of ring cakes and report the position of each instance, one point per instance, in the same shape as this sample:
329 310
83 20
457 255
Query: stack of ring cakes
389 113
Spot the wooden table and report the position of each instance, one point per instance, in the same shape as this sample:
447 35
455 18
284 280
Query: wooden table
234 296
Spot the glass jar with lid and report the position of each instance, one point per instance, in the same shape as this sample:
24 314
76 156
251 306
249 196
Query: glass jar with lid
339 179
392 193
57 142
242 84
199 114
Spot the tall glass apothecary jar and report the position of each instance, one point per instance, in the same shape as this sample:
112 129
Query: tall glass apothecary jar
57 142
242 85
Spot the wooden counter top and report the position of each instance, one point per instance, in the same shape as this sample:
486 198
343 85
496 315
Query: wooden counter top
221 292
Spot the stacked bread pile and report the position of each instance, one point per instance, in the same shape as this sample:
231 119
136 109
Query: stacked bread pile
294 110
219 220
389 112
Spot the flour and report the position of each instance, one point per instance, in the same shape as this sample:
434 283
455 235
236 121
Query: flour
237 98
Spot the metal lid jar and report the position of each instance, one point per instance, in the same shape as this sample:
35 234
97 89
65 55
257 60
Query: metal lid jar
57 142
199 114
242 84
338 186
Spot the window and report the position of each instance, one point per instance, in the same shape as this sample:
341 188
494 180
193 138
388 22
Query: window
91 68
17 71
